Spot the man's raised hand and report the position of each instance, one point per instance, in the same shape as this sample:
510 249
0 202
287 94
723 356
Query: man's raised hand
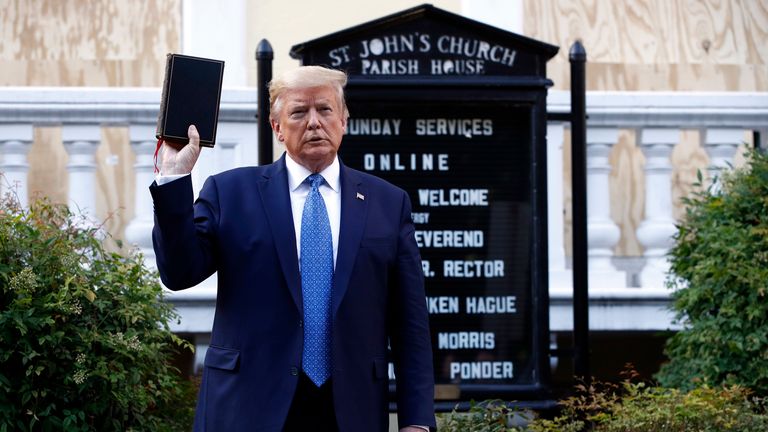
180 160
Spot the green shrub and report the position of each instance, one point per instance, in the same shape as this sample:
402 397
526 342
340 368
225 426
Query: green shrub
486 416
637 407
84 337
702 409
719 271
627 407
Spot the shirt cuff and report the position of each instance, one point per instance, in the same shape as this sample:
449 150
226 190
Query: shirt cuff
165 179
420 427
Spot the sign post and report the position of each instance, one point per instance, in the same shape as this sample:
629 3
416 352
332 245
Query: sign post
454 112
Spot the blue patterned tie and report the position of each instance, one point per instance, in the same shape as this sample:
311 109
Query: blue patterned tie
316 275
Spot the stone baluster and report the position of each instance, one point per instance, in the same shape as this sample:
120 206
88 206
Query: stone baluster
139 230
15 142
602 232
81 142
656 231
762 142
560 278
720 145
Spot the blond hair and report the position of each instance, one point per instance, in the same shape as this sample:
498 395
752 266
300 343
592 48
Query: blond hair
306 77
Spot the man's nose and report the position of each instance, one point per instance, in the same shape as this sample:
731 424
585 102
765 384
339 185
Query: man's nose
314 120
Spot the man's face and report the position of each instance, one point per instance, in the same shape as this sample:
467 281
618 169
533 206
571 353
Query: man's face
311 123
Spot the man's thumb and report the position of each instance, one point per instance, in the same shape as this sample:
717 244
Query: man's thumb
194 136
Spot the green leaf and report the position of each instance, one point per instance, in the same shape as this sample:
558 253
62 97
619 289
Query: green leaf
90 295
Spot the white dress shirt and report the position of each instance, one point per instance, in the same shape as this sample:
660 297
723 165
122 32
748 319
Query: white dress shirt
330 191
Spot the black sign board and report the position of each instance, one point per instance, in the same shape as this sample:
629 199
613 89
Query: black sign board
454 112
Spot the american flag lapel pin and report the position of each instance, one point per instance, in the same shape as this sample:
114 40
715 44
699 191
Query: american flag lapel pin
360 196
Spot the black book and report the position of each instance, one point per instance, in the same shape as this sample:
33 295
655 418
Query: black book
191 95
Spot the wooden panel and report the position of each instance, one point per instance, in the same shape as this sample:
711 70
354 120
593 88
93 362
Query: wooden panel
654 31
87 43
48 166
567 195
664 77
688 158
627 190
115 181
658 44
88 30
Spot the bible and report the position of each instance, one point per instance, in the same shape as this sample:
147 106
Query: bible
191 96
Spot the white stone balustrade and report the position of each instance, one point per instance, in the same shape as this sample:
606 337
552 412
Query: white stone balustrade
81 142
656 231
723 118
720 145
139 231
602 232
15 142
658 117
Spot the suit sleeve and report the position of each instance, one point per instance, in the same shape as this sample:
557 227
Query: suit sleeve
184 236
409 335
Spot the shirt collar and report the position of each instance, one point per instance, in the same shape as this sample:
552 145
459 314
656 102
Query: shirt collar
297 174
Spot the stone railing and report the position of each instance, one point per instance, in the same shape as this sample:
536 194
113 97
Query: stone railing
656 118
635 297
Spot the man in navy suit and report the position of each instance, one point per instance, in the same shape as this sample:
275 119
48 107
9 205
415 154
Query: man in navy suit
267 342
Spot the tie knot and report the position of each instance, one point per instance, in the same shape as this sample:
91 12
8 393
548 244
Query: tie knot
315 180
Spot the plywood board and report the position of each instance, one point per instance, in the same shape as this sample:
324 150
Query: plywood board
664 77
627 192
47 176
115 181
657 44
87 43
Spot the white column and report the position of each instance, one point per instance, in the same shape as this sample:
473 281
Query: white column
560 279
15 142
720 145
81 142
139 230
656 231
226 43
602 233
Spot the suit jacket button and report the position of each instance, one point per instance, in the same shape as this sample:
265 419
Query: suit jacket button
301 323
294 371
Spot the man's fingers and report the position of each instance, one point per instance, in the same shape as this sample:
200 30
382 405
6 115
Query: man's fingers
172 145
180 158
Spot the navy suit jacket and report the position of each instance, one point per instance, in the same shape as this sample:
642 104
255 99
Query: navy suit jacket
241 226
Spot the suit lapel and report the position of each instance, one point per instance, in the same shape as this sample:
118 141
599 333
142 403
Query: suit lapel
354 210
276 201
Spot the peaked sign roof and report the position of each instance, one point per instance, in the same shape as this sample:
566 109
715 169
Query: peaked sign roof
426 41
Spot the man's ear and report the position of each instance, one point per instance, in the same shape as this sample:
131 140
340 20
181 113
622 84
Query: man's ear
276 128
